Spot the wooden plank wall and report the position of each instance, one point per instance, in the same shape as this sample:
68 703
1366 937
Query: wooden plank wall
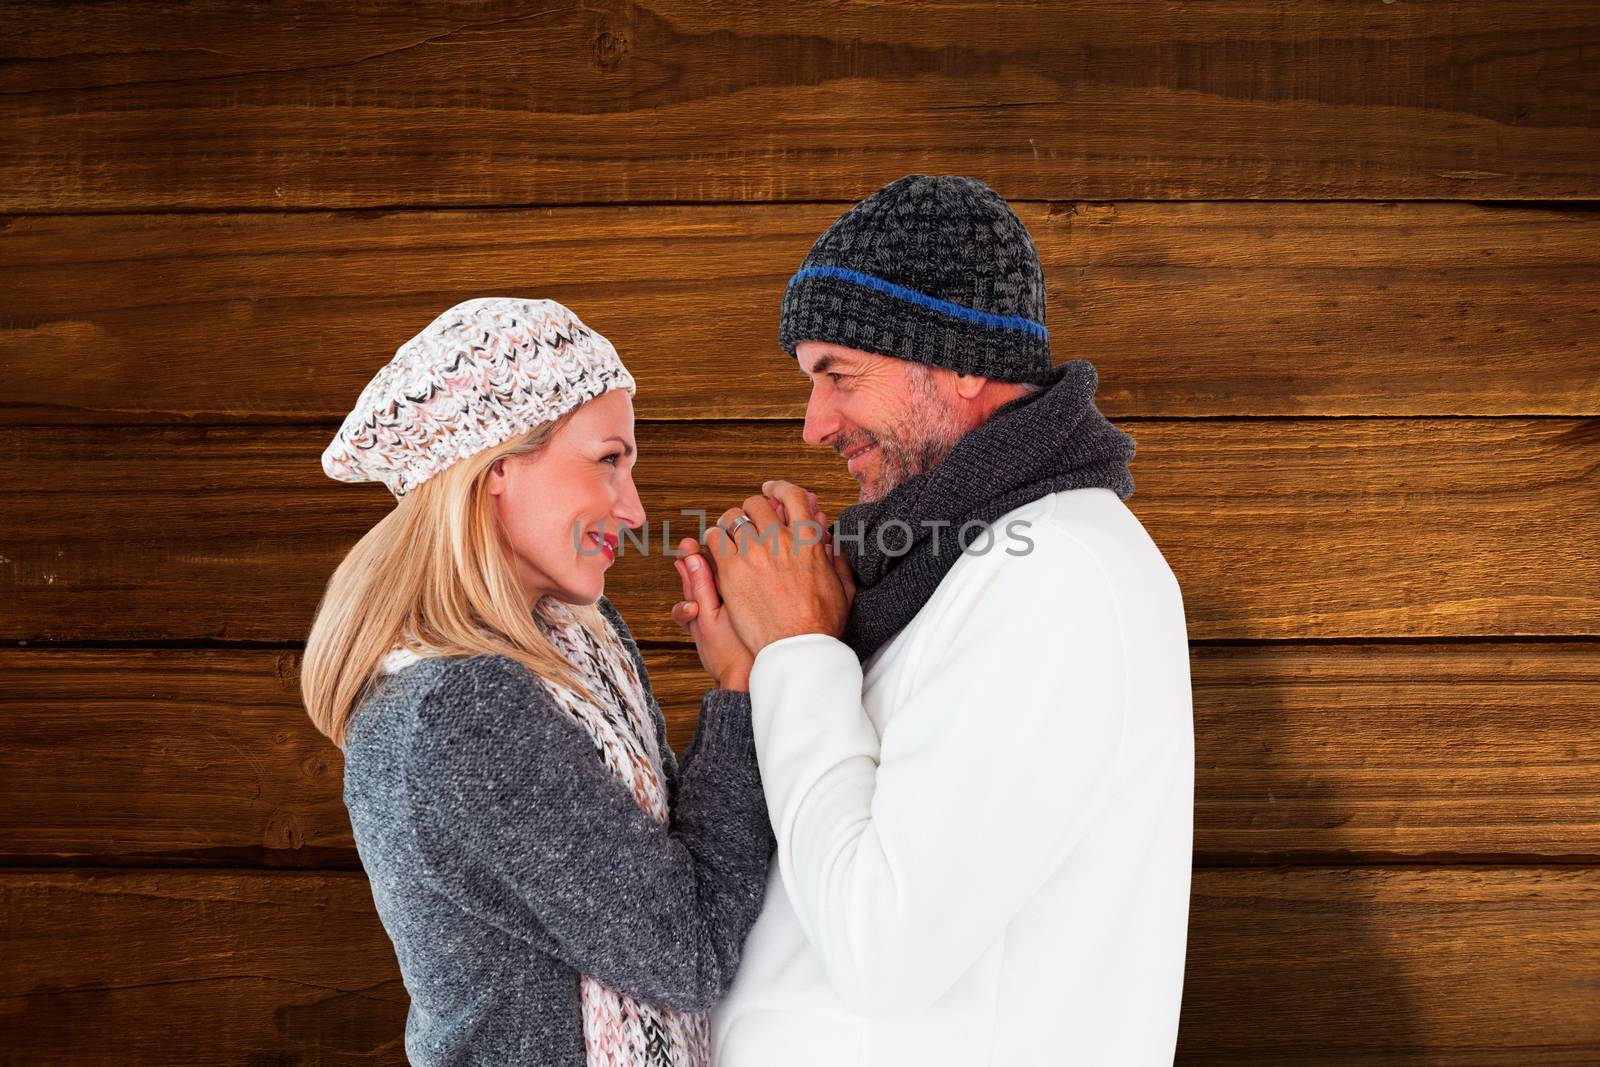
1338 266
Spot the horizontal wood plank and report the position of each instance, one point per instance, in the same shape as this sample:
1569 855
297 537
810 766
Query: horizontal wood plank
1318 754
1414 752
1185 309
1321 966
1274 528
208 106
257 968
1351 967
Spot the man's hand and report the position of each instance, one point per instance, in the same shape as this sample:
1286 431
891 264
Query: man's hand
780 577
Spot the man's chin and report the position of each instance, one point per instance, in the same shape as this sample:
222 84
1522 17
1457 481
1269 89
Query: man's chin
871 492
875 482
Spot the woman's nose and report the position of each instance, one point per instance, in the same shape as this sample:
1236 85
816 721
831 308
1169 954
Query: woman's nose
630 510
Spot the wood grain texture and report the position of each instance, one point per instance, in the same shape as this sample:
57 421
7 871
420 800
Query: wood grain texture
1185 309
1336 266
1349 967
1467 966
1275 528
1436 752
1305 754
212 106
256 968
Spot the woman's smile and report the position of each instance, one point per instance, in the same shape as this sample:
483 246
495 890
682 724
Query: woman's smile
604 545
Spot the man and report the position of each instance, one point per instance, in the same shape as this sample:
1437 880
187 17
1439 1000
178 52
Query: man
976 740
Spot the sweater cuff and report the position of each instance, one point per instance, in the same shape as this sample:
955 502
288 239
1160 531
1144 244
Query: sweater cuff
806 691
723 733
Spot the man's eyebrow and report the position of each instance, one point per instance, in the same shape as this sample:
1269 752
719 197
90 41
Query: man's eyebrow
626 447
821 365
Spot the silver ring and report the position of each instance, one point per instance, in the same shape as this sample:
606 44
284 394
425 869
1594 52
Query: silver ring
733 534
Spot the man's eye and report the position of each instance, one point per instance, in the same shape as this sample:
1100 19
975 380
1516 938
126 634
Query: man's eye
835 375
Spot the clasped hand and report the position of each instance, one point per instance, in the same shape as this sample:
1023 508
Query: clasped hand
780 577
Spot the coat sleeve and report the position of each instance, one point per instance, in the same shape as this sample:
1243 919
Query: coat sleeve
521 823
906 856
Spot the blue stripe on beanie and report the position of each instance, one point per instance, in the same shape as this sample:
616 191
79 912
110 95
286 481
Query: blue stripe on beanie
871 281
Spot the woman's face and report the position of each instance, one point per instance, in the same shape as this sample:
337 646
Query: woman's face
561 508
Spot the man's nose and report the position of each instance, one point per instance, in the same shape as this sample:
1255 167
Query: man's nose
822 419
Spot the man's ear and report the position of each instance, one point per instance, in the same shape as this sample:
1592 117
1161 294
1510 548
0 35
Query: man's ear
970 385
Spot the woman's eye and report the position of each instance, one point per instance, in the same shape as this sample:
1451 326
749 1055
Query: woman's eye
612 458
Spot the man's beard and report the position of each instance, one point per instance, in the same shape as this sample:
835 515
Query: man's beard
927 433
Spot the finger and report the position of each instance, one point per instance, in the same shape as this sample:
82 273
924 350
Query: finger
687 547
811 530
847 577
769 525
708 556
685 612
718 546
797 503
683 578
761 511
704 593
720 540
821 519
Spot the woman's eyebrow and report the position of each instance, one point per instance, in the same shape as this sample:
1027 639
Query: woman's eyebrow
626 447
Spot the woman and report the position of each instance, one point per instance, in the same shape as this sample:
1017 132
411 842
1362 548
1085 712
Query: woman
557 890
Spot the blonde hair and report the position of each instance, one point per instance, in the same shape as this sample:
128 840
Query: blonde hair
429 574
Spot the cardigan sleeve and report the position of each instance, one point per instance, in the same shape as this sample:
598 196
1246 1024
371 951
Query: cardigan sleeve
521 823
906 856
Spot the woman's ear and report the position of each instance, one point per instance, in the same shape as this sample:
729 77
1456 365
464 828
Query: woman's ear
496 481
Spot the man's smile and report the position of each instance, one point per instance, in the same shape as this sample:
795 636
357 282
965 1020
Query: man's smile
853 458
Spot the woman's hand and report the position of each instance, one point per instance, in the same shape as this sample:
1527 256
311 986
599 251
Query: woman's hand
705 616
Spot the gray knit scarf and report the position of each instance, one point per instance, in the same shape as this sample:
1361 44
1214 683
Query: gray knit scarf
1028 448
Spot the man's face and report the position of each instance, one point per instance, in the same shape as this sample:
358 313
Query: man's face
889 418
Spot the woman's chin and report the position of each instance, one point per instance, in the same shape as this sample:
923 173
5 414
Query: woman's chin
585 582
586 591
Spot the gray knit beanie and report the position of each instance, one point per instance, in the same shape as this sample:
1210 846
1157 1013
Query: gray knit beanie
935 270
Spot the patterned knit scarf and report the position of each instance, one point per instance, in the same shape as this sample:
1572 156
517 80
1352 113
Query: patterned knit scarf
901 546
618 1030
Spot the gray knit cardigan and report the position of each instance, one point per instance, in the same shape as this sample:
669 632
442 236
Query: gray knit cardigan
506 859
